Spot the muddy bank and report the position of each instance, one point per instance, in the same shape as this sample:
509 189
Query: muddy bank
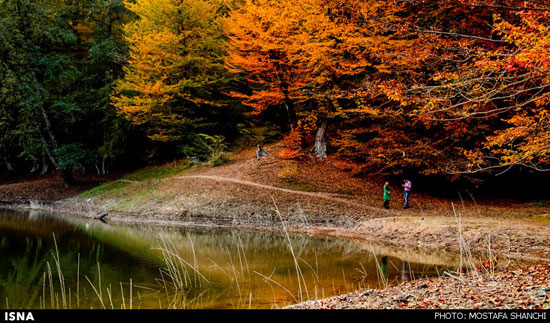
46 188
512 239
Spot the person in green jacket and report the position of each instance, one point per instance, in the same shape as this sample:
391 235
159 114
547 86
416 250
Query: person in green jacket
387 197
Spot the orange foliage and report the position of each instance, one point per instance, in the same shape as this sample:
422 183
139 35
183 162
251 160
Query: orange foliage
295 52
295 139
289 153
432 86
501 89
293 142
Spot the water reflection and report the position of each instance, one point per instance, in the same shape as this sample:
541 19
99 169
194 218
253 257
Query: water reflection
54 261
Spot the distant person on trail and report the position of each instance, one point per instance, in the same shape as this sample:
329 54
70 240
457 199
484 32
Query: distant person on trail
260 152
387 197
407 185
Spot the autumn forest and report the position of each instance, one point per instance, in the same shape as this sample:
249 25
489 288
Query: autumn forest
275 154
379 88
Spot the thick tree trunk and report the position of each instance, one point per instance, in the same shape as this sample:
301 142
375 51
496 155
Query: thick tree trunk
67 175
320 147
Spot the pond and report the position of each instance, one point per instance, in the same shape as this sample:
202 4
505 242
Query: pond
55 261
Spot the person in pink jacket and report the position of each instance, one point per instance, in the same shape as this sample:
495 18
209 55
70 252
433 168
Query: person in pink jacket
407 185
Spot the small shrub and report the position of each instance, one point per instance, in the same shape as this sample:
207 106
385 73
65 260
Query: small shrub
218 159
289 173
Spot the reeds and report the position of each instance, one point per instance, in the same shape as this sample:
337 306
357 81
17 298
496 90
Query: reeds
383 281
468 270
54 295
178 277
302 284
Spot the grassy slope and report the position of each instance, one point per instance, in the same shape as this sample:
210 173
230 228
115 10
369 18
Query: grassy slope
164 183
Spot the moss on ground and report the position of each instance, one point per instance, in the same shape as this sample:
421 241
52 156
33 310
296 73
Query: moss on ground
139 183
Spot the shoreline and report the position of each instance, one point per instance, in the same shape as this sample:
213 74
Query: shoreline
407 295
293 225
516 288
426 293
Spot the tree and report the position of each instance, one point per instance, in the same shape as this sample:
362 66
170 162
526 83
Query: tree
300 55
58 61
263 46
503 85
174 82
31 62
410 116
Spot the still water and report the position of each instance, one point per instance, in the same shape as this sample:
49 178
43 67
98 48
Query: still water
52 261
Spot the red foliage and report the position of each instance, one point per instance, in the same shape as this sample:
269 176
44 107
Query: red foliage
288 153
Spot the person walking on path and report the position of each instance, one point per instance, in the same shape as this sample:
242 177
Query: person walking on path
260 152
407 188
387 197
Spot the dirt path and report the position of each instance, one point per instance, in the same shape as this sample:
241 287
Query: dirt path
321 195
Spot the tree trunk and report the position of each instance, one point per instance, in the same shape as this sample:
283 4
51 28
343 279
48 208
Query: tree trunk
320 147
47 149
44 163
291 113
8 164
49 128
67 175
103 171
35 165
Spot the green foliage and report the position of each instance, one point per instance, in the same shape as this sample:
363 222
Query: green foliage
58 62
216 147
158 172
254 135
72 157
104 188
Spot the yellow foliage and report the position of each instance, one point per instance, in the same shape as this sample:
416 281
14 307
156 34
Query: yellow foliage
174 46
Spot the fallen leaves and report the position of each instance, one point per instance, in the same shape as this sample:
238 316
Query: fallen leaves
510 289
